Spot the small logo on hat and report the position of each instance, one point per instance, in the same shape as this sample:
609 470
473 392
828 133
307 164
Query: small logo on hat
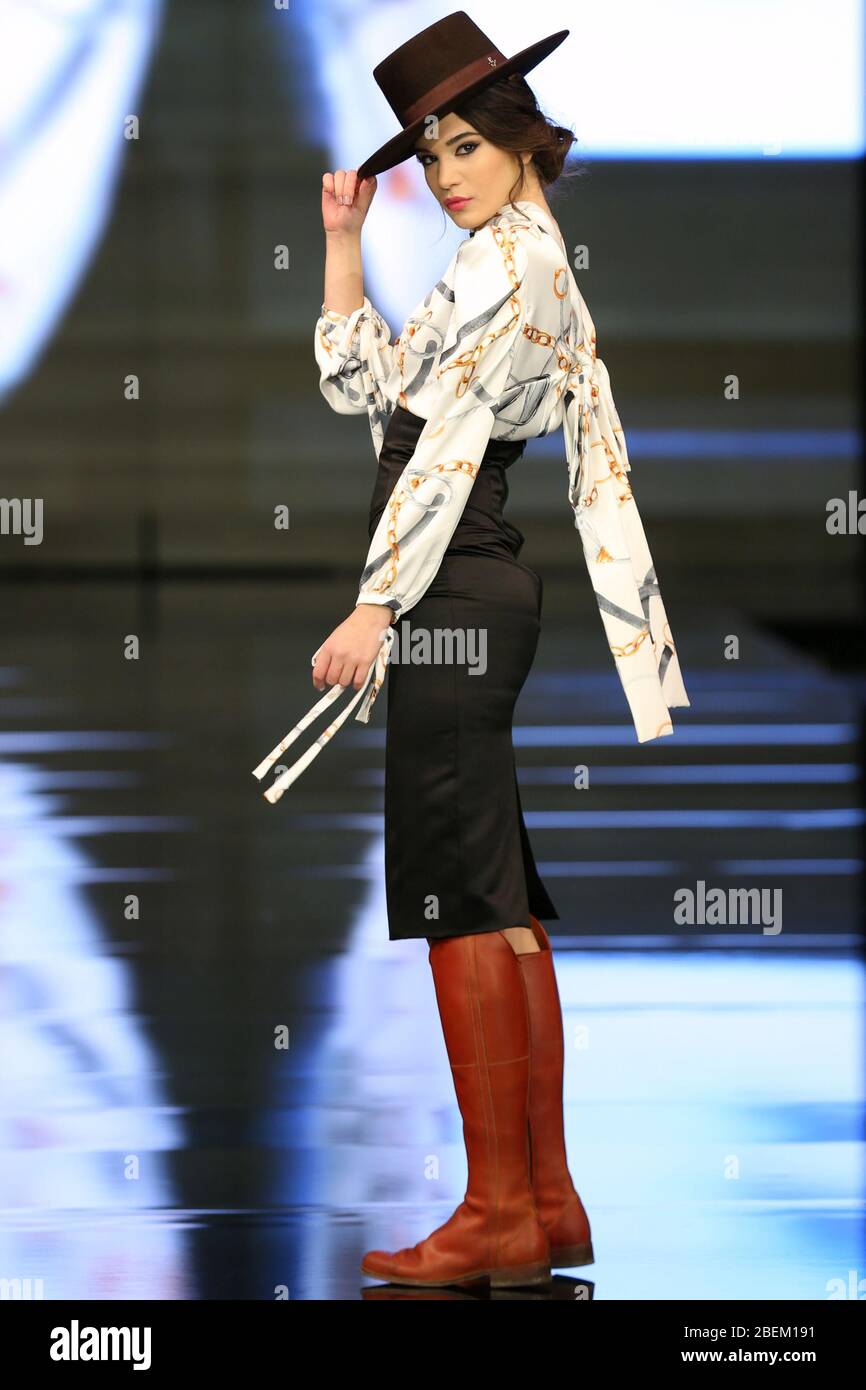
492 62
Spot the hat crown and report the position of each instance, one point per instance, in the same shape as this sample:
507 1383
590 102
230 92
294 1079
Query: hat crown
429 75
431 59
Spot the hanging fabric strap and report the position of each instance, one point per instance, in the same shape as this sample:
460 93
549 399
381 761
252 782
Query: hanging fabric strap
590 421
618 559
367 695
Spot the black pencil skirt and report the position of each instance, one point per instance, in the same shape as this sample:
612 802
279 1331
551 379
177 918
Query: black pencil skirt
457 853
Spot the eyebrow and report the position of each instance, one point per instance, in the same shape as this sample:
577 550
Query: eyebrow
452 141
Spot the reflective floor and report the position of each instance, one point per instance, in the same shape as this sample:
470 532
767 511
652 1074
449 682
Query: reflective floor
220 1079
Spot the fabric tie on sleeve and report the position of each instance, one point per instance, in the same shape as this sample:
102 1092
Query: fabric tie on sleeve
590 421
367 696
615 548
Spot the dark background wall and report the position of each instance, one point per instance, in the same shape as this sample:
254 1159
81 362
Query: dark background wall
698 270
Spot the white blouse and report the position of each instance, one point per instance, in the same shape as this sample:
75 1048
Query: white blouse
503 347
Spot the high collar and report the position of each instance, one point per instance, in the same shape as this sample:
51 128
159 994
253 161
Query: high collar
531 209
534 211
540 215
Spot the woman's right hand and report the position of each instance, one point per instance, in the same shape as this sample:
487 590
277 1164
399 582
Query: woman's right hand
345 657
345 218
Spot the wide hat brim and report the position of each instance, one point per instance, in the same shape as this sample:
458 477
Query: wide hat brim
401 146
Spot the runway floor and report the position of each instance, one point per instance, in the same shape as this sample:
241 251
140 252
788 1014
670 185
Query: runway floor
221 1080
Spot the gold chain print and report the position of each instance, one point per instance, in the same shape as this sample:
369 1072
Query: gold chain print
468 361
631 647
538 336
394 508
542 339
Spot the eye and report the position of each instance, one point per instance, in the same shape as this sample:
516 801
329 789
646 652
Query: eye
467 145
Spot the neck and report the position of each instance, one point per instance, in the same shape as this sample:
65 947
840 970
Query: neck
535 195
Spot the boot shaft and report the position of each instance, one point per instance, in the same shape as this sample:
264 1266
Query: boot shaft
485 1022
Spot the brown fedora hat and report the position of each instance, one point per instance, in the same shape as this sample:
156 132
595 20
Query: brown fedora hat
424 77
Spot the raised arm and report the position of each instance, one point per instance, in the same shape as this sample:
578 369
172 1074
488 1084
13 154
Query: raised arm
352 341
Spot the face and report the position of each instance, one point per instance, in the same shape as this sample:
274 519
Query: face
461 164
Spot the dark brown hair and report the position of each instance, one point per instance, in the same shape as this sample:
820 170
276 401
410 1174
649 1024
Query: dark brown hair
508 115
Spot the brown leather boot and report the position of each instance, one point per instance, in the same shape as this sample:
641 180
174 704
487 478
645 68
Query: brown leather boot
559 1207
495 1233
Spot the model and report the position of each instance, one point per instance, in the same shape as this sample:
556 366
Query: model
500 351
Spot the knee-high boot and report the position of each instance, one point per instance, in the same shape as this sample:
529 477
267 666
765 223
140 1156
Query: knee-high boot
495 1233
559 1206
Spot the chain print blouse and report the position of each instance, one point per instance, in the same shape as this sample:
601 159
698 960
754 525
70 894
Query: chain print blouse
502 347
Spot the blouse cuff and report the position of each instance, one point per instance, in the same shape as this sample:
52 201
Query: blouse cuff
382 600
363 311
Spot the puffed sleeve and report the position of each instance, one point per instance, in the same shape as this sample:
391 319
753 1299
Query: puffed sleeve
483 348
355 357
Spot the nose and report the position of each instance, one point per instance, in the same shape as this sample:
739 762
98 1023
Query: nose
447 175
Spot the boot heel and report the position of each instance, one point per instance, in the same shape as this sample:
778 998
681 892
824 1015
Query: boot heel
520 1276
565 1256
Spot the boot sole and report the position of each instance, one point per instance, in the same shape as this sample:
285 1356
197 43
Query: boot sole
515 1276
565 1256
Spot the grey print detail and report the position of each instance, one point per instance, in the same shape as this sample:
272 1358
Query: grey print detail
606 606
482 397
442 289
425 354
649 587
351 367
380 412
521 404
467 328
433 339
351 392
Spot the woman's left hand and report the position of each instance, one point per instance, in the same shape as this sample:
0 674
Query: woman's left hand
347 655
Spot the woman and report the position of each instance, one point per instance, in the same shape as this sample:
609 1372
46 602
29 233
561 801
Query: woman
500 351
